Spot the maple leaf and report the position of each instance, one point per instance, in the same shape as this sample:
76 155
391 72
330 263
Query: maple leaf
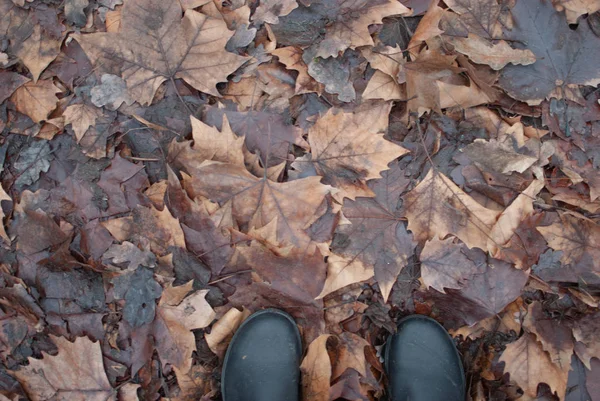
377 236
36 100
578 239
316 370
81 117
155 45
75 373
295 204
528 365
347 149
565 57
437 207
444 265
350 28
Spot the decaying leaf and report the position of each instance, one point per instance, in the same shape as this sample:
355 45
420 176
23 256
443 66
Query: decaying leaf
81 116
155 45
316 371
36 100
496 55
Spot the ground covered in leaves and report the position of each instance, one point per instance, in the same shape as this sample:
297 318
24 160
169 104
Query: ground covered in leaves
168 167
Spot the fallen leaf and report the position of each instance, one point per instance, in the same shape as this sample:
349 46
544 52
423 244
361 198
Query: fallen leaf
33 161
222 331
498 156
437 207
383 86
128 252
53 377
343 271
112 92
482 18
3 197
576 8
270 10
347 149
528 364
36 100
74 11
81 117
350 355
150 59
38 51
564 58
428 28
292 58
376 236
9 82
585 333
444 265
496 55
139 290
316 371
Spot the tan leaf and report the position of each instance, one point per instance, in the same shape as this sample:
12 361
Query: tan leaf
427 28
316 371
437 207
175 318
344 271
387 59
481 17
270 10
3 197
168 226
347 149
499 157
585 333
529 365
511 217
76 373
193 384
295 204
352 30
496 55
36 99
351 355
156 45
248 93
38 51
578 239
128 392
223 329
81 117
444 265
292 58
576 8
383 86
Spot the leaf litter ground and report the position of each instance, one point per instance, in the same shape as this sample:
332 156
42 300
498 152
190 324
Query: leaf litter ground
169 167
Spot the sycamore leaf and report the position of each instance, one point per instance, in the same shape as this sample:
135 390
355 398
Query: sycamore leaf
347 149
351 27
528 365
496 55
75 373
564 56
295 204
498 156
377 236
292 58
388 60
38 51
437 207
383 86
36 99
156 45
81 117
9 82
270 10
444 265
585 332
316 371
428 28
343 271
481 17
3 197
176 315
222 331
578 239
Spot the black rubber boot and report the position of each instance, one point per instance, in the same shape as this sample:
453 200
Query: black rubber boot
422 363
262 362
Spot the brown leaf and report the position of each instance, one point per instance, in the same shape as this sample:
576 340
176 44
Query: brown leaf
176 316
81 117
585 332
157 49
376 236
316 371
38 51
350 355
347 149
576 8
528 365
496 55
498 156
270 10
578 239
444 265
75 373
3 197
37 232
383 86
437 207
36 100
343 271
9 82
292 58
483 18
428 28
388 60
222 331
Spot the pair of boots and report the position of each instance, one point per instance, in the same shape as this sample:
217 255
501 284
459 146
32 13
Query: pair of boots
263 361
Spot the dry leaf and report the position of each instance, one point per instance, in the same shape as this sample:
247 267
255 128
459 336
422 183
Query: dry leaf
496 55
3 197
81 117
444 265
270 10
316 371
383 86
36 99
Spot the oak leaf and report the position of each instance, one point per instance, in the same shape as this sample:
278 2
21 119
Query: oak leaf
155 45
437 207
377 236
565 57
75 373
81 117
528 365
347 149
36 99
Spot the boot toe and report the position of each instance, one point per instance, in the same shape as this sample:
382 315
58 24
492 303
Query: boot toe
422 363
263 359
